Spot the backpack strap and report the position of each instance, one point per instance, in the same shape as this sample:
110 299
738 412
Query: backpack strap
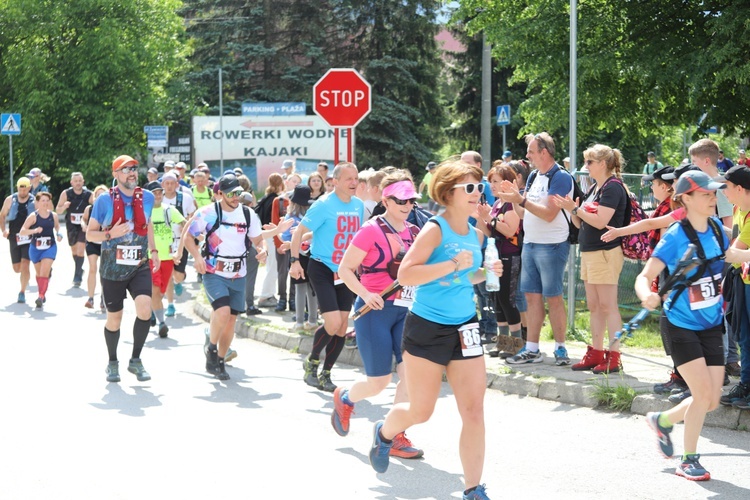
705 263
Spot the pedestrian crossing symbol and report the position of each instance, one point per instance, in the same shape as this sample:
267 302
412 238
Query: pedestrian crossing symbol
10 123
503 115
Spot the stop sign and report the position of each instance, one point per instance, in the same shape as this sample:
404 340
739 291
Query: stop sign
342 98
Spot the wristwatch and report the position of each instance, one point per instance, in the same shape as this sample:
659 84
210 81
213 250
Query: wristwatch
574 211
292 260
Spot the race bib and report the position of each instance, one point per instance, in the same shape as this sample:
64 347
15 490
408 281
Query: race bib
471 341
128 255
76 219
405 296
22 240
337 280
43 242
704 292
228 266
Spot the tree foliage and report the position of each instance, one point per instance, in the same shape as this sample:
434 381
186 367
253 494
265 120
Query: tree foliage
86 77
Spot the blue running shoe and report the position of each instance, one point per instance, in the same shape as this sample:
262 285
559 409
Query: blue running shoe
380 451
662 434
21 298
170 311
477 493
178 289
692 470
561 356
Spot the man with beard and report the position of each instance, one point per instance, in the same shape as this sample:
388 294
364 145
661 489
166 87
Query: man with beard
73 201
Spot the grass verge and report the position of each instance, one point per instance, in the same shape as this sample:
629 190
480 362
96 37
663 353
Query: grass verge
619 397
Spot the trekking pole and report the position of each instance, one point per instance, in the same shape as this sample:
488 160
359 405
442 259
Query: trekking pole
686 264
392 288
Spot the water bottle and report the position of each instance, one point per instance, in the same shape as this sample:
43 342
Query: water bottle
492 282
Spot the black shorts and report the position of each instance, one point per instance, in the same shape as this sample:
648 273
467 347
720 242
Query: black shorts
17 252
115 292
180 268
76 234
93 249
688 345
330 297
433 341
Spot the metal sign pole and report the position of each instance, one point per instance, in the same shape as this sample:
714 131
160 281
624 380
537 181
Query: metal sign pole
336 146
10 146
221 126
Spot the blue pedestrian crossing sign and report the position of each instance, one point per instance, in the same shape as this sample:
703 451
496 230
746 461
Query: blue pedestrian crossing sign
503 115
10 123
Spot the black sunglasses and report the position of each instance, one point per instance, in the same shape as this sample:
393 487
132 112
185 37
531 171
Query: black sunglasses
403 202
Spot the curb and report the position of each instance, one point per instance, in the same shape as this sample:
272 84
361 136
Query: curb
515 382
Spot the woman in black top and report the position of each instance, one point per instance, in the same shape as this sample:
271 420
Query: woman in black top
605 204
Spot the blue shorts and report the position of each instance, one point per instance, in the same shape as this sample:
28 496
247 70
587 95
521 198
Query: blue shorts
543 266
379 335
36 256
222 292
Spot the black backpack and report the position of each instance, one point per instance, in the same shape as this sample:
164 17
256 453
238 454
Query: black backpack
212 229
263 208
578 194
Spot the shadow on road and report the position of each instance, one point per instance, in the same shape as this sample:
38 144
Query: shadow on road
133 405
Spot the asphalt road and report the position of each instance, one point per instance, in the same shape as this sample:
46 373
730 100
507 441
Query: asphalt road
68 434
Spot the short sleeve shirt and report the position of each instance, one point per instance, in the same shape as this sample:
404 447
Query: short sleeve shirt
537 230
333 223
163 235
188 207
612 195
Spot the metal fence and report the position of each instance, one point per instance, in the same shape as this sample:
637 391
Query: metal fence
574 289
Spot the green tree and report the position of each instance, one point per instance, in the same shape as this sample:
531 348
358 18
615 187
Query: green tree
86 76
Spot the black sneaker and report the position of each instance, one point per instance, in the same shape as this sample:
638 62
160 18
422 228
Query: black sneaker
163 330
113 371
691 469
739 391
679 397
280 305
733 369
221 370
742 403
253 311
311 371
674 382
152 322
324 381
212 360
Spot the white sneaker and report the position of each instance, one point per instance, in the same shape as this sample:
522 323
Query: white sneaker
525 356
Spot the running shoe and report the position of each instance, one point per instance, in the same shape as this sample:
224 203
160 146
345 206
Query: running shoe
297 327
221 372
135 366
478 493
178 289
231 354
561 356
39 302
402 447
311 371
89 303
525 356
152 321
341 413
77 284
691 469
662 434
742 403
113 371
170 311
324 381
163 330
253 311
212 360
280 305
674 382
21 298
733 369
679 397
267 302
379 453
739 391
350 340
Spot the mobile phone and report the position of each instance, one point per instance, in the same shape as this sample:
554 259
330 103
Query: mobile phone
483 199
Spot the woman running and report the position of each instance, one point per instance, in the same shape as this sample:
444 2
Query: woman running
44 227
444 264
93 251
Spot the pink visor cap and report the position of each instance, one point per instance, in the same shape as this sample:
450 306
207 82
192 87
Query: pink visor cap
401 190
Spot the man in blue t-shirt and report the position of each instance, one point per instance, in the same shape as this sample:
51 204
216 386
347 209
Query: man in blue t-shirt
333 220
121 223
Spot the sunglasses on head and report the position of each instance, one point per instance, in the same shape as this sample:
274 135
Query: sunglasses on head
470 187
232 194
403 202
127 170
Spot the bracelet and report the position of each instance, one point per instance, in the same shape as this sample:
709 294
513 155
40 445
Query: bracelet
523 203
59 235
154 250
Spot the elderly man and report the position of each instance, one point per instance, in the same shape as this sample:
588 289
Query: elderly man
73 201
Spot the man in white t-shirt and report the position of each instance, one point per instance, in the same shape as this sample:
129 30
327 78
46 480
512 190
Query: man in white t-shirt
545 247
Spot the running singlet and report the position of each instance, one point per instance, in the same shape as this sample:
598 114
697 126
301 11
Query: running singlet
333 224
45 239
449 300
699 307
78 203
122 257
18 213
226 245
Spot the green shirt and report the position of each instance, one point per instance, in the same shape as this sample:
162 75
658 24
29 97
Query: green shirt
163 235
741 230
201 199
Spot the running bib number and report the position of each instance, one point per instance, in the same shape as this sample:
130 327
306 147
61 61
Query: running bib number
76 219
128 255
471 341
704 292
228 266
43 242
405 296
22 240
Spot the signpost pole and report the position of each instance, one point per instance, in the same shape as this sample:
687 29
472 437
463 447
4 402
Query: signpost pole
10 146
221 126
505 148
349 134
335 146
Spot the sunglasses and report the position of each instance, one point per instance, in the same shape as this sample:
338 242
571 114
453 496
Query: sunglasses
470 187
589 162
127 170
403 202
232 194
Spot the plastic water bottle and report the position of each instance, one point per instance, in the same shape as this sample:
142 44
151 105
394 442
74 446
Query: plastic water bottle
492 282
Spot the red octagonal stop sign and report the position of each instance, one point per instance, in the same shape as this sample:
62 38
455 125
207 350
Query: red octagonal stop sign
342 98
